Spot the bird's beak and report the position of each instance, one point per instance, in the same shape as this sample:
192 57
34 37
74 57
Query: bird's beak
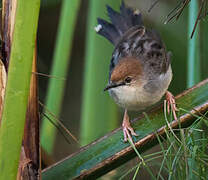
113 85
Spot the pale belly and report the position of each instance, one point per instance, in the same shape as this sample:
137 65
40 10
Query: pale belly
140 97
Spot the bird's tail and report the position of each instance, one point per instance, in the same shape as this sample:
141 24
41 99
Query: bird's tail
120 23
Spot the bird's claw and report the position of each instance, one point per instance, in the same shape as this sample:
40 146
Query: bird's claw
128 132
171 104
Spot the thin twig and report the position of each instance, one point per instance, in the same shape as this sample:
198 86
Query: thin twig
205 12
182 8
171 15
197 19
58 127
174 9
49 76
153 5
60 123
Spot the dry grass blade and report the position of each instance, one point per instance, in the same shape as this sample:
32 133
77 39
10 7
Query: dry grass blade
182 8
49 76
8 19
60 124
205 11
153 5
177 11
29 167
174 9
59 129
197 19
3 78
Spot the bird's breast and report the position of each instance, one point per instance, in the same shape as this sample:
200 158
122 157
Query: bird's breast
140 97
131 98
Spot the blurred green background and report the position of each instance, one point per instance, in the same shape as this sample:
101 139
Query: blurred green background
86 110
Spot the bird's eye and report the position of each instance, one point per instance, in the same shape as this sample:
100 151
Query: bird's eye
128 80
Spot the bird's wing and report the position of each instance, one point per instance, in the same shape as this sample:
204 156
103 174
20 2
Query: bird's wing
154 52
146 46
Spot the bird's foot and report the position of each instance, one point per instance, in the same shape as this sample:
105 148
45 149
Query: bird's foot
171 104
128 131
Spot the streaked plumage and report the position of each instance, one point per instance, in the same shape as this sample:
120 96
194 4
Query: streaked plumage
140 70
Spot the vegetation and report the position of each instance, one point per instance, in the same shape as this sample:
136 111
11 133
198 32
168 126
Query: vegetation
74 106
110 151
18 84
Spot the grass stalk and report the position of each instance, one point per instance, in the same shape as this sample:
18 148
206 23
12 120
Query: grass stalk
193 46
18 85
193 69
99 113
142 161
60 64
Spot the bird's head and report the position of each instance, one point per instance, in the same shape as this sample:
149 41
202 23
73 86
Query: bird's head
127 72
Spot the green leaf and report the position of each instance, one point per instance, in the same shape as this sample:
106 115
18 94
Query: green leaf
18 84
110 151
60 66
97 103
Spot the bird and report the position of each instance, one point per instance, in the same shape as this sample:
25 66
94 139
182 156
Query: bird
140 68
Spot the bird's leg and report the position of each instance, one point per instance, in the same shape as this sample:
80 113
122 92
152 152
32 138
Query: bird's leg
128 131
171 104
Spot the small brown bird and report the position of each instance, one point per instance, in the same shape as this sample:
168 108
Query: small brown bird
140 69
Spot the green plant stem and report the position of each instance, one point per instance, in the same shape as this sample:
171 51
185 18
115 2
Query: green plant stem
193 46
203 47
193 69
56 86
49 3
18 84
99 114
